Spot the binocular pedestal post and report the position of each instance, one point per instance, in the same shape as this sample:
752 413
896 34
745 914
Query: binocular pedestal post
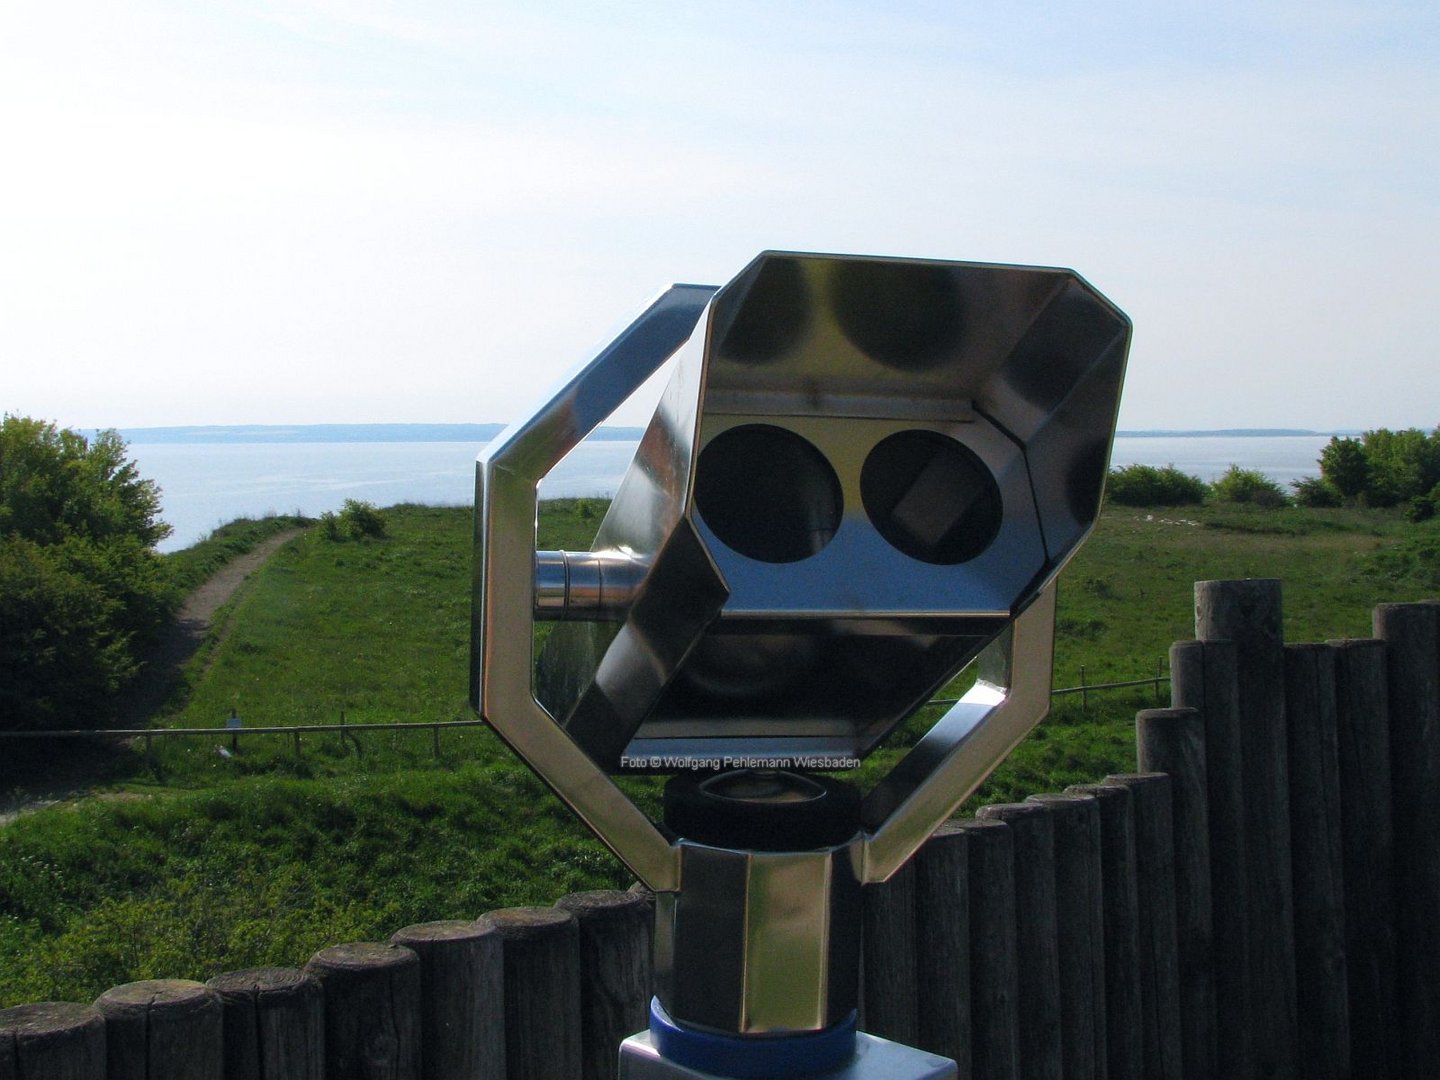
757 953
874 1059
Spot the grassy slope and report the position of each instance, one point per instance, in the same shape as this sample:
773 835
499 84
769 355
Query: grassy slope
210 863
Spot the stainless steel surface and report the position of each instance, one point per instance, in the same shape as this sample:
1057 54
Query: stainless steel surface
586 584
760 942
507 475
875 1059
862 475
861 471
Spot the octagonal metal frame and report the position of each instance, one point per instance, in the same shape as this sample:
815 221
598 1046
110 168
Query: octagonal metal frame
1010 696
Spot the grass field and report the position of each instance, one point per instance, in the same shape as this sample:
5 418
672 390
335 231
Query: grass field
195 862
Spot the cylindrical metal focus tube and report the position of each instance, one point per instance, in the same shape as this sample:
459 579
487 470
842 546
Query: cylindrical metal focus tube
585 584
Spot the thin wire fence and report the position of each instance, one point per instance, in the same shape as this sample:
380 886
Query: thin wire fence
233 730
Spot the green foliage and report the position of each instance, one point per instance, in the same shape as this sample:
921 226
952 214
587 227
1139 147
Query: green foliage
269 870
356 520
1423 507
1383 467
274 858
56 484
1147 485
82 591
1315 492
1345 467
1249 487
1403 464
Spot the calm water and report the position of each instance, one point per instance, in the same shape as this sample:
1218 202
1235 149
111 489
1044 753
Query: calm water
205 485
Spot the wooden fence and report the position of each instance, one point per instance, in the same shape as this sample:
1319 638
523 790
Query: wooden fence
1260 899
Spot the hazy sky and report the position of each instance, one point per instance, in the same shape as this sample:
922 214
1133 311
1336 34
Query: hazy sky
352 210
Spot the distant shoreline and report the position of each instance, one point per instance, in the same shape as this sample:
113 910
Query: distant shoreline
483 433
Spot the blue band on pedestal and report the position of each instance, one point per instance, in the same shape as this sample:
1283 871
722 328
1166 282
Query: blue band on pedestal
752 1057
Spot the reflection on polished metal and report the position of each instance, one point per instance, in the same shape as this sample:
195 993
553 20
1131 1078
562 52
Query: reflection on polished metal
863 474
874 1059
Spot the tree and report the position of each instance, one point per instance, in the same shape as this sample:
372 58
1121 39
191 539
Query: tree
82 591
1403 464
1345 466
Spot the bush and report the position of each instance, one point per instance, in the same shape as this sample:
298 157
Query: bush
1315 491
1423 507
82 591
356 521
1249 487
1146 485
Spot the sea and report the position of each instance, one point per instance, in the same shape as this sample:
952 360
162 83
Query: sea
212 479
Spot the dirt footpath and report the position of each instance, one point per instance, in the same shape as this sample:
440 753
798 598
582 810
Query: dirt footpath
183 638
74 776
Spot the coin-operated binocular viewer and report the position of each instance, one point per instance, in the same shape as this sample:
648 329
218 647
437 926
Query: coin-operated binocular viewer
863 475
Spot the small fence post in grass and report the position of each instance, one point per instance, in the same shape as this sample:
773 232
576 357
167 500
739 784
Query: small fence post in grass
1248 613
1159 949
1315 842
616 932
162 1027
994 963
1124 1041
1080 928
274 1024
462 998
542 992
372 1010
52 1040
1036 944
1412 638
1172 741
888 1005
942 945
1362 719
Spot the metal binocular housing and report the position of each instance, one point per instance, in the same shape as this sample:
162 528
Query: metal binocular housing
862 475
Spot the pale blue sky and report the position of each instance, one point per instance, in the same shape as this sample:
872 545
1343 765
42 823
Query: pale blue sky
332 211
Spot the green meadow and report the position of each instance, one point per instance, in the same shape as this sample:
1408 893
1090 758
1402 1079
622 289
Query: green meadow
191 860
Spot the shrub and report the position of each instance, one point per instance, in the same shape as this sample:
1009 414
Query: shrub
1250 487
82 591
1146 485
1315 491
1424 507
356 521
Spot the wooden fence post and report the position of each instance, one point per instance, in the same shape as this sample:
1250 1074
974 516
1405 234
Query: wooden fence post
888 1005
274 1024
1036 945
1320 976
1159 952
1172 741
1204 677
1362 718
52 1040
372 1010
162 1027
1413 656
994 965
616 933
462 998
1249 614
1124 1043
1080 929
542 992
942 945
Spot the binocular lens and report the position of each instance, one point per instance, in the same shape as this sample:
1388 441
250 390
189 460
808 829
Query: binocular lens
768 493
931 497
